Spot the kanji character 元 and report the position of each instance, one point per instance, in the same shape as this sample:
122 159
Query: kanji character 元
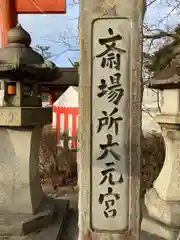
108 175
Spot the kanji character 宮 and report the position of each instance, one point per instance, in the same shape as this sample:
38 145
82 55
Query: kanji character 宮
109 211
109 120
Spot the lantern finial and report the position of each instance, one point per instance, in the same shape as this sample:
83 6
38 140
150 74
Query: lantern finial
18 36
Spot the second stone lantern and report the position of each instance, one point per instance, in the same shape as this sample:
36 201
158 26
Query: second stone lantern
163 200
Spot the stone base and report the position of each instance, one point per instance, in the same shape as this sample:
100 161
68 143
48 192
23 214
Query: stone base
155 230
168 119
166 212
17 226
24 116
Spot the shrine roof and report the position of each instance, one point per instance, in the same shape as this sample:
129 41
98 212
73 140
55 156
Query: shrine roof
68 77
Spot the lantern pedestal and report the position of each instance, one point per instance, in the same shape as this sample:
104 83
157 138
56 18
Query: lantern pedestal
23 206
163 200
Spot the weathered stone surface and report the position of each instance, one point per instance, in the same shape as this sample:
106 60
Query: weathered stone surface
166 212
91 216
119 128
23 205
23 224
20 188
170 101
163 200
155 230
24 116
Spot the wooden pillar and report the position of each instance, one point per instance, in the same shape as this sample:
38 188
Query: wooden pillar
74 126
9 10
57 124
110 88
51 96
8 18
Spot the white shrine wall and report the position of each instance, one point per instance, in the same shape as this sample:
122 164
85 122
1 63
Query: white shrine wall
150 110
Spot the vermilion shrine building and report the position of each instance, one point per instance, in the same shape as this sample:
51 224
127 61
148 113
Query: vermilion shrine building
51 92
9 18
64 117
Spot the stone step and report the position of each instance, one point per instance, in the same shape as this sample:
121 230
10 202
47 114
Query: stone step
70 230
53 230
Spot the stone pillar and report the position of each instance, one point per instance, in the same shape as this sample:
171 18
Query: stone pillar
163 200
110 114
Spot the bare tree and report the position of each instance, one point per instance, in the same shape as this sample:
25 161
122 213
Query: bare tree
154 36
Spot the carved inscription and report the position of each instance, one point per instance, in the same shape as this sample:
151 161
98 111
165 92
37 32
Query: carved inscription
110 92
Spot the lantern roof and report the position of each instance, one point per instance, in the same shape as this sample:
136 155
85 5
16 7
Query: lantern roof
168 78
18 60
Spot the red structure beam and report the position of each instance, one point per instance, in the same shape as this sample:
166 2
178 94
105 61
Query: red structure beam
9 10
40 6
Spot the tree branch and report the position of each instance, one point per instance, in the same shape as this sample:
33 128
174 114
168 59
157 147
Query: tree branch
151 2
170 12
162 34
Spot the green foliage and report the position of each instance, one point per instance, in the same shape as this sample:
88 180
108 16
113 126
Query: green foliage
74 64
44 51
163 57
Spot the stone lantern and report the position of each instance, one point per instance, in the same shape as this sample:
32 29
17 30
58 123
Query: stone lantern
23 205
163 200
21 72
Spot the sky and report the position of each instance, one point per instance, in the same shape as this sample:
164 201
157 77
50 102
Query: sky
158 12
45 29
